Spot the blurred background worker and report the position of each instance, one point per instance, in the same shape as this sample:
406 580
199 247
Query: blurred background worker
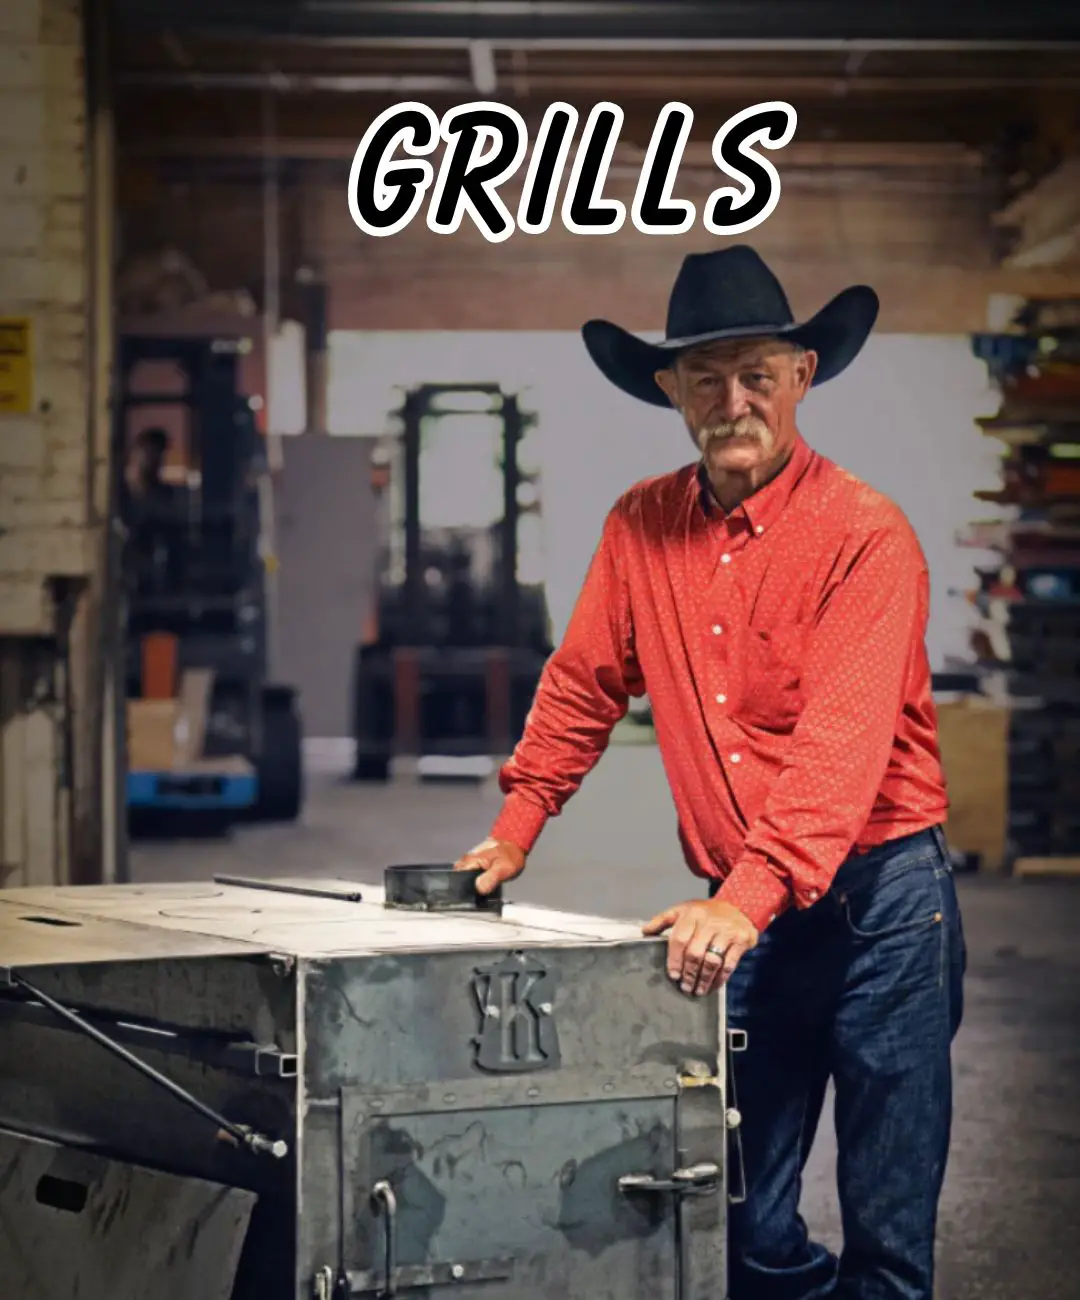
145 479
150 512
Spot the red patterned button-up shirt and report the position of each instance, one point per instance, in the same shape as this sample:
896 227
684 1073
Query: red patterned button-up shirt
783 650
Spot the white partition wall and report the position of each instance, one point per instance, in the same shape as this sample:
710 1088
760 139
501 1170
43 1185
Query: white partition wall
901 418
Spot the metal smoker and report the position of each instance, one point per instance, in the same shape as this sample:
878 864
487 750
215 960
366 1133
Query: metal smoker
256 1090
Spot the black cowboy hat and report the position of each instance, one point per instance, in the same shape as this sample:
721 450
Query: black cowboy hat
730 293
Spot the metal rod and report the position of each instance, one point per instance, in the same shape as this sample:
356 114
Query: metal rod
511 438
819 83
271 323
271 223
342 1192
414 408
240 1133
301 82
383 1196
649 44
740 45
275 887
108 433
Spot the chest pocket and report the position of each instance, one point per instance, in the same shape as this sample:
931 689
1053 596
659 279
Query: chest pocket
772 697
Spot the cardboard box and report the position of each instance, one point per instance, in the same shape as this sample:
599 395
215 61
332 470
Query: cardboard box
194 707
164 735
974 738
152 727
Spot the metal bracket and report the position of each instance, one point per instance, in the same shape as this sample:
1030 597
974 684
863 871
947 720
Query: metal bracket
698 1074
421 1275
737 1042
393 1278
264 1062
415 1277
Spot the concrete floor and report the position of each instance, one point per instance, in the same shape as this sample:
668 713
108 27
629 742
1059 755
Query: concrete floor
1008 1226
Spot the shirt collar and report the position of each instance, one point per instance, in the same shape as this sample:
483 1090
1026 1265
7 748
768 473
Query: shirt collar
764 507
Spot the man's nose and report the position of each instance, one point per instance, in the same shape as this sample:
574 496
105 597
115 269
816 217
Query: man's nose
731 400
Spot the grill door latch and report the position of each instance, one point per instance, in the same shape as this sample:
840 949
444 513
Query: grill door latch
702 1179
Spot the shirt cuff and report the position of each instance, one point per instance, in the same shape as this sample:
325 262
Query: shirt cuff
756 891
520 822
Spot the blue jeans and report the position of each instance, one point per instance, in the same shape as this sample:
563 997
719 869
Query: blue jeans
865 988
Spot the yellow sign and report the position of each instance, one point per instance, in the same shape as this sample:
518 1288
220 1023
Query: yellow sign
16 365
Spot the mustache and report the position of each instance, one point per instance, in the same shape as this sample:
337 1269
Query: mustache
746 426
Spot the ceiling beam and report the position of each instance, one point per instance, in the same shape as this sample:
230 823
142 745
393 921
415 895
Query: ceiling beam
824 156
152 120
959 22
609 81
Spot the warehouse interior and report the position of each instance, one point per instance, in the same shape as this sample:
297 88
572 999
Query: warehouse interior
174 204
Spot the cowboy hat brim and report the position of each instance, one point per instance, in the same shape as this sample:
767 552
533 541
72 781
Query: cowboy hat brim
836 333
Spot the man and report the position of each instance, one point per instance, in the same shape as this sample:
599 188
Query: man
143 485
774 608
149 512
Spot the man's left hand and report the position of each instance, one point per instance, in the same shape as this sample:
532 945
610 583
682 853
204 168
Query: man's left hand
707 941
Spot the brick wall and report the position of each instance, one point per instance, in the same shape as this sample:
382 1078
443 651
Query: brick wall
928 248
925 242
44 457
48 498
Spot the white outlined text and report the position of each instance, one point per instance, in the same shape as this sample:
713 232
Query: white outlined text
486 144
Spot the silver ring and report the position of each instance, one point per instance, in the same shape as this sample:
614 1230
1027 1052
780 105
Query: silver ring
716 952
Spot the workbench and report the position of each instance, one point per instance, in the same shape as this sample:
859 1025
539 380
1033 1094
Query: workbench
253 1090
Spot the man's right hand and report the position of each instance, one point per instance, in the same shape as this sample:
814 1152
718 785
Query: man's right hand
499 860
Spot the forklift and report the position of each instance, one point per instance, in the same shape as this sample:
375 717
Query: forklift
459 631
194 574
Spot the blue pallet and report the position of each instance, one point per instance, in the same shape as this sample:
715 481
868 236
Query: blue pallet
194 791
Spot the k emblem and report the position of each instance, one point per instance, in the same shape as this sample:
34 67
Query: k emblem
515 998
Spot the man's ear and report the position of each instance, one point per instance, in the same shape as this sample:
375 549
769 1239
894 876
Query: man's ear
806 364
669 382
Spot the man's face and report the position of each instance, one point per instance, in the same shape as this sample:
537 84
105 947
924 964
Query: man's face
739 399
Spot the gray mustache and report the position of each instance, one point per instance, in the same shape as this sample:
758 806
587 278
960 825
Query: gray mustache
720 432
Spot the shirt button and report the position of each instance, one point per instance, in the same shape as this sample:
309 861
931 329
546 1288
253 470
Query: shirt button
725 559
717 629
736 758
759 530
721 699
813 893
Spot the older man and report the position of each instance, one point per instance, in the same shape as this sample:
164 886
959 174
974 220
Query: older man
774 608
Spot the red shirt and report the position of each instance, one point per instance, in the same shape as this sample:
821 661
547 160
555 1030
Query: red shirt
783 650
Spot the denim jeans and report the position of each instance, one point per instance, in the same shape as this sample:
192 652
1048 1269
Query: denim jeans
865 988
